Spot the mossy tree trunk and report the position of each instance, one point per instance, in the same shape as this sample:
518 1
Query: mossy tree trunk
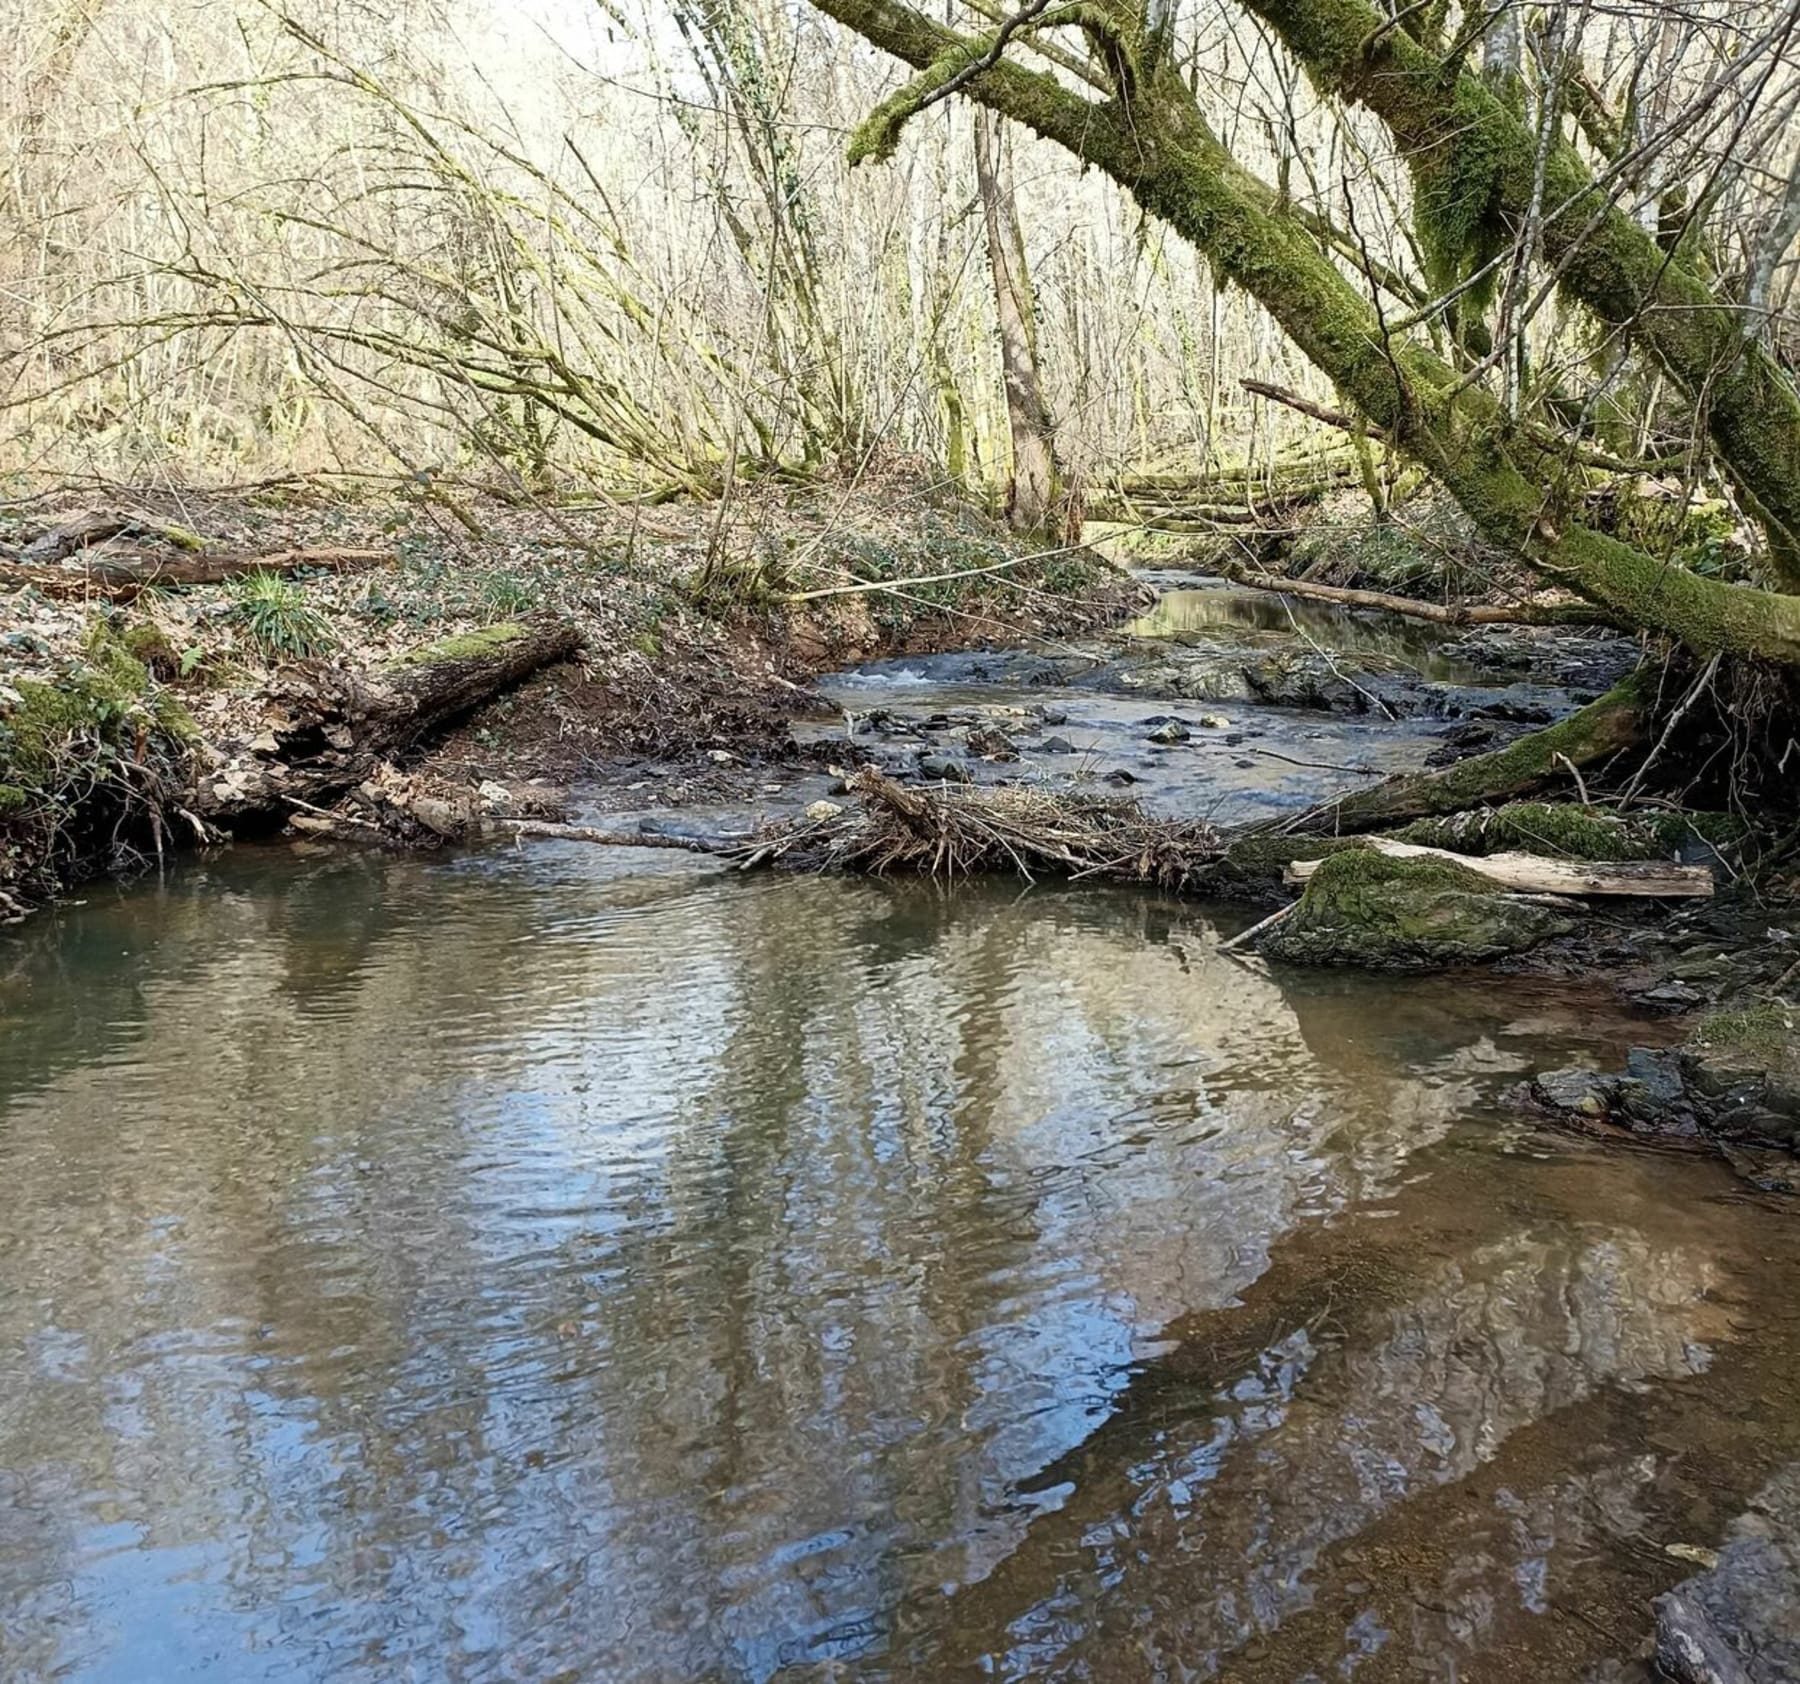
1152 138
1474 161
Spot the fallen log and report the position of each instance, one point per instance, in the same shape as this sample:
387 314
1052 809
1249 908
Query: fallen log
1439 613
119 577
1536 874
1618 721
326 730
96 527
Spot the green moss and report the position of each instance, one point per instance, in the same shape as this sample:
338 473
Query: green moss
12 798
1568 831
1456 205
1762 1031
1365 908
465 646
108 697
876 136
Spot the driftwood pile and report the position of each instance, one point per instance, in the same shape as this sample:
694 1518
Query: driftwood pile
956 832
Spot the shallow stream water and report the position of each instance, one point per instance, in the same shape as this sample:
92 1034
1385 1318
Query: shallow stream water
553 1264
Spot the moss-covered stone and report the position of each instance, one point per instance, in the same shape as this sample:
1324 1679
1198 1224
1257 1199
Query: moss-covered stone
1743 1065
1363 908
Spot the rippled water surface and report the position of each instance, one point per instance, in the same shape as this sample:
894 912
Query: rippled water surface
554 1266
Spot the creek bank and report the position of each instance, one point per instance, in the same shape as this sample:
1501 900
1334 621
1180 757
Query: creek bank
1735 1078
693 636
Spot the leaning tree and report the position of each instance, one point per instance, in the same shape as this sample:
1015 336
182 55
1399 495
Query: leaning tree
1522 186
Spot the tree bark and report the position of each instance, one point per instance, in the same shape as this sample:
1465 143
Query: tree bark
1619 720
1032 490
1445 122
1156 143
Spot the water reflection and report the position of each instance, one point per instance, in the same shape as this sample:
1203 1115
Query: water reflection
1238 616
537 1267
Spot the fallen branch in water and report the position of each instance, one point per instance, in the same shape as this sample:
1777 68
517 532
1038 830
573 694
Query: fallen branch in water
1535 874
546 831
1439 613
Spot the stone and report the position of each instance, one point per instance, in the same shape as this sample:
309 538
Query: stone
1058 745
1120 777
818 810
943 768
992 744
1215 721
1576 1091
1170 731
1365 908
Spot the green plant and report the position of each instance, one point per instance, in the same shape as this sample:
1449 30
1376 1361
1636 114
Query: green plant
507 594
274 614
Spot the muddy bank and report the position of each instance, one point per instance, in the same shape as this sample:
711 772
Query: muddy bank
686 638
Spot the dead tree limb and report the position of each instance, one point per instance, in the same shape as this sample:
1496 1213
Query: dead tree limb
1535 874
325 730
119 577
1440 613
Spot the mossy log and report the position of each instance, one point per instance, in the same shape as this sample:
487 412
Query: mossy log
1618 721
1478 172
326 730
112 576
1535 875
97 527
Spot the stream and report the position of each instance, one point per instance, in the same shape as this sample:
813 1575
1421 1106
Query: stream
555 1263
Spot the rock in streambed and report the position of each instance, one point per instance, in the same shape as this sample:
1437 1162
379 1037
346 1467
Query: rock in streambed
1364 908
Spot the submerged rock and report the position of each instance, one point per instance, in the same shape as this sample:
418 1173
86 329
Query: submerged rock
1364 908
1170 731
992 743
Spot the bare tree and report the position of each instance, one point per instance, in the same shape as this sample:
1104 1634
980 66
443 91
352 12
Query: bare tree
1031 492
